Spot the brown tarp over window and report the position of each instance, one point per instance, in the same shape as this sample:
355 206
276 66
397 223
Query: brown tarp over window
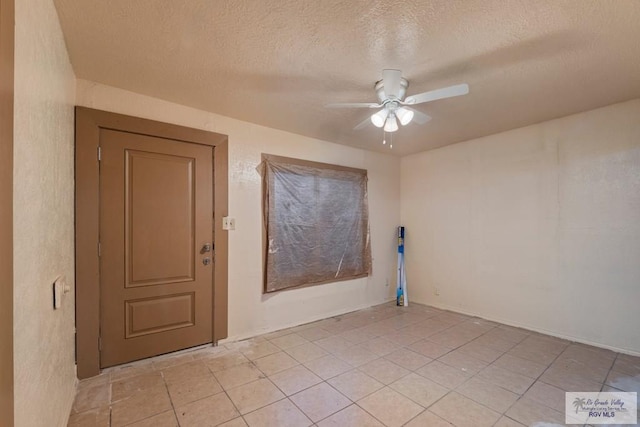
316 223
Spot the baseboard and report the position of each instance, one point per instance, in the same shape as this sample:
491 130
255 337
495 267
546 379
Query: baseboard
533 329
252 334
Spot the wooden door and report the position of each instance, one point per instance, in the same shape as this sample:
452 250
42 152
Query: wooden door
6 212
156 226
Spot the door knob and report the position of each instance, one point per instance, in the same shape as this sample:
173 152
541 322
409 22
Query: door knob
205 248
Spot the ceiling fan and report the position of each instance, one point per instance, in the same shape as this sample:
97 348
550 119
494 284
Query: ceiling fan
394 107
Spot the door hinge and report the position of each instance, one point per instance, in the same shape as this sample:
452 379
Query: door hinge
99 249
99 153
100 343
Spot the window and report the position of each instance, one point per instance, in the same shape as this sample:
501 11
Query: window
316 223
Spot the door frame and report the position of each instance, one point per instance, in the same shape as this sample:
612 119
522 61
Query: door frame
88 125
6 213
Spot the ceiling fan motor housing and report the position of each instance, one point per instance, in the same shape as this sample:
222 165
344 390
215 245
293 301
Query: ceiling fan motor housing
383 97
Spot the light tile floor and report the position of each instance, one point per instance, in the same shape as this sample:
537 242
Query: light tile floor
383 366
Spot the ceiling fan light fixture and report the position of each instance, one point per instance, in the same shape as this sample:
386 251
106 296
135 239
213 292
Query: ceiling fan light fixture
404 115
379 118
391 124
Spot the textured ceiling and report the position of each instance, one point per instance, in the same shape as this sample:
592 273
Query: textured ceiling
278 62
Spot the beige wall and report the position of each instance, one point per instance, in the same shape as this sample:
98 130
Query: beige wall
537 227
43 217
250 312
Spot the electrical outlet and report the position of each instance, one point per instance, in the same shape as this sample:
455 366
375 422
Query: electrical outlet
228 223
437 292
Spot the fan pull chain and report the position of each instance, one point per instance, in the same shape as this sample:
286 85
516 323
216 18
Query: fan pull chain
384 139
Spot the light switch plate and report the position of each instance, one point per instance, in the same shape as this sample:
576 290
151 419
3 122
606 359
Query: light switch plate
60 287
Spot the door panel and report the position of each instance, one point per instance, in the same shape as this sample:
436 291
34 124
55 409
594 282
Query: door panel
158 314
156 213
158 248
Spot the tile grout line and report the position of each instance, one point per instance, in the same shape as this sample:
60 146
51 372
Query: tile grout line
356 368
434 359
173 407
225 391
374 417
330 415
335 376
266 377
473 376
538 379
604 383
454 388
281 391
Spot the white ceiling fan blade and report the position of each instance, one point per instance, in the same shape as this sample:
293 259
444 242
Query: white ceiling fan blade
363 124
354 105
419 117
432 95
391 81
